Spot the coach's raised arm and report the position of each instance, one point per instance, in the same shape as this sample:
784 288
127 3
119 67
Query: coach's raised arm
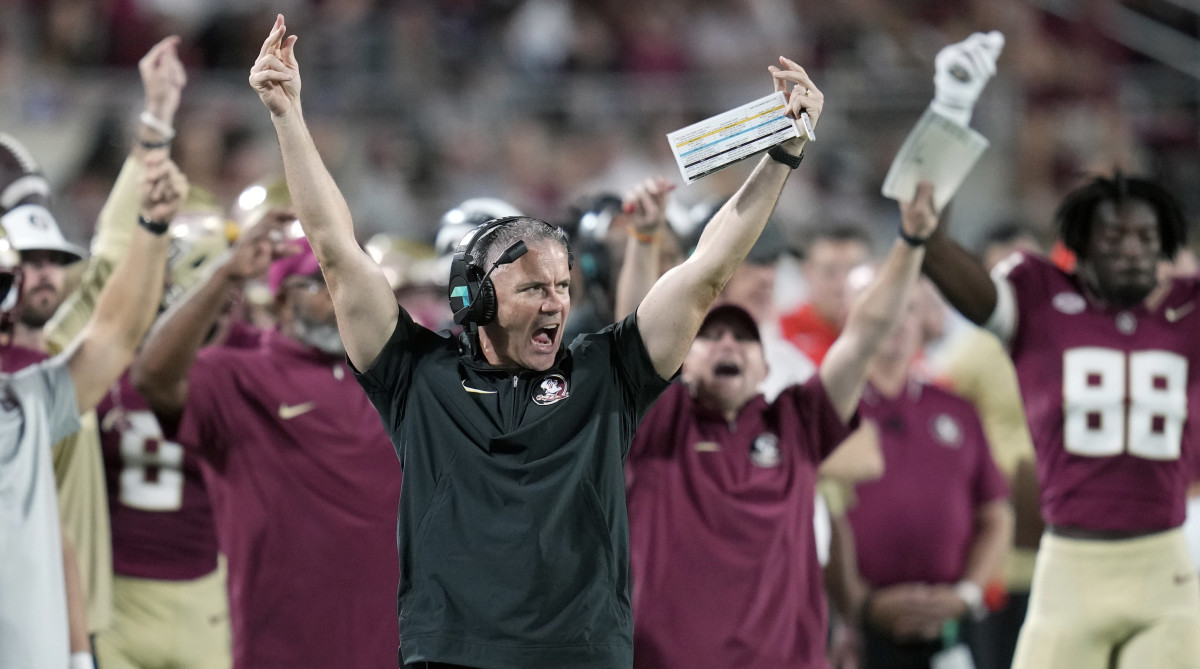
672 311
366 308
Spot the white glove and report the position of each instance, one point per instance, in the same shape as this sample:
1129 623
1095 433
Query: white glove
961 72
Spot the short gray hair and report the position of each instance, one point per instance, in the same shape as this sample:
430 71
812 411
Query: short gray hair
524 228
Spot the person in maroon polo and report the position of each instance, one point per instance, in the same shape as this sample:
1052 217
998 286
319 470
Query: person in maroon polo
302 478
924 562
1109 366
721 486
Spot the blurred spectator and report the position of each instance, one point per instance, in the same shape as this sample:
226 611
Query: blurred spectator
829 257
924 565
285 423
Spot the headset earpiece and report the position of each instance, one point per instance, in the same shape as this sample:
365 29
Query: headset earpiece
486 303
467 288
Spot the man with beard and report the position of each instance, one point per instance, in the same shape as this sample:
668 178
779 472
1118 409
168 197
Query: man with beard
45 254
302 481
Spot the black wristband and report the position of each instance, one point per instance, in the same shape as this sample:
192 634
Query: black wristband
157 227
910 240
779 155
150 146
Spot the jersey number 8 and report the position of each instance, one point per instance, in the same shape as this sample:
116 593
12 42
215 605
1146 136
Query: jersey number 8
1115 403
152 467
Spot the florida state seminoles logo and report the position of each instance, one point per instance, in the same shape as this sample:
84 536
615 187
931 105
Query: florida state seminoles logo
552 389
947 430
764 452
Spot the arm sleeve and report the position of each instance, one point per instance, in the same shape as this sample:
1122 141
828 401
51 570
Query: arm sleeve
634 367
114 232
115 226
389 379
817 418
50 384
1015 278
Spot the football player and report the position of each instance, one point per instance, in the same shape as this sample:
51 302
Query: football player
1107 361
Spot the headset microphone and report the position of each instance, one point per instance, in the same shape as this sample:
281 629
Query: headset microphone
511 254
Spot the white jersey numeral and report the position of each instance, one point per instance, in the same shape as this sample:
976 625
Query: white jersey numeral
151 467
1115 403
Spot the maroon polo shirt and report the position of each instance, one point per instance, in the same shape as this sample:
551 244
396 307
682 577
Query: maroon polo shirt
1110 396
304 486
725 570
916 523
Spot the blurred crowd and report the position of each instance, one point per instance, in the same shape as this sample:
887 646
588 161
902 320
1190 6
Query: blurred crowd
436 117
420 105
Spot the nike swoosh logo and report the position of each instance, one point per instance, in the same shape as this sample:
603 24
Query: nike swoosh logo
1175 314
476 390
287 412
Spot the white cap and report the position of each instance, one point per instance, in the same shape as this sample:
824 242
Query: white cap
31 227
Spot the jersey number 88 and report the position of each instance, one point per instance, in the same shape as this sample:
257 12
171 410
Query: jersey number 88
1115 402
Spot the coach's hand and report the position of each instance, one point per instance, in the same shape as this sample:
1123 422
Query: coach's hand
276 75
802 96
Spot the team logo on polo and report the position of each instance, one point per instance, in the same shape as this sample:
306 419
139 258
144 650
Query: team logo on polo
947 430
764 452
1126 323
552 389
1069 303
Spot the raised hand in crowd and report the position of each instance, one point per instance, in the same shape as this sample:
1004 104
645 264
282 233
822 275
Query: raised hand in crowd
276 74
129 301
163 79
645 206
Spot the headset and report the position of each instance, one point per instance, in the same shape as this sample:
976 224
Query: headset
471 292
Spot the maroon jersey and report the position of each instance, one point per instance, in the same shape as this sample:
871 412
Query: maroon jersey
725 571
162 523
304 486
916 523
1107 395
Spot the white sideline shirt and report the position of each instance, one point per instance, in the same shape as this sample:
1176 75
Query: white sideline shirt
37 409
